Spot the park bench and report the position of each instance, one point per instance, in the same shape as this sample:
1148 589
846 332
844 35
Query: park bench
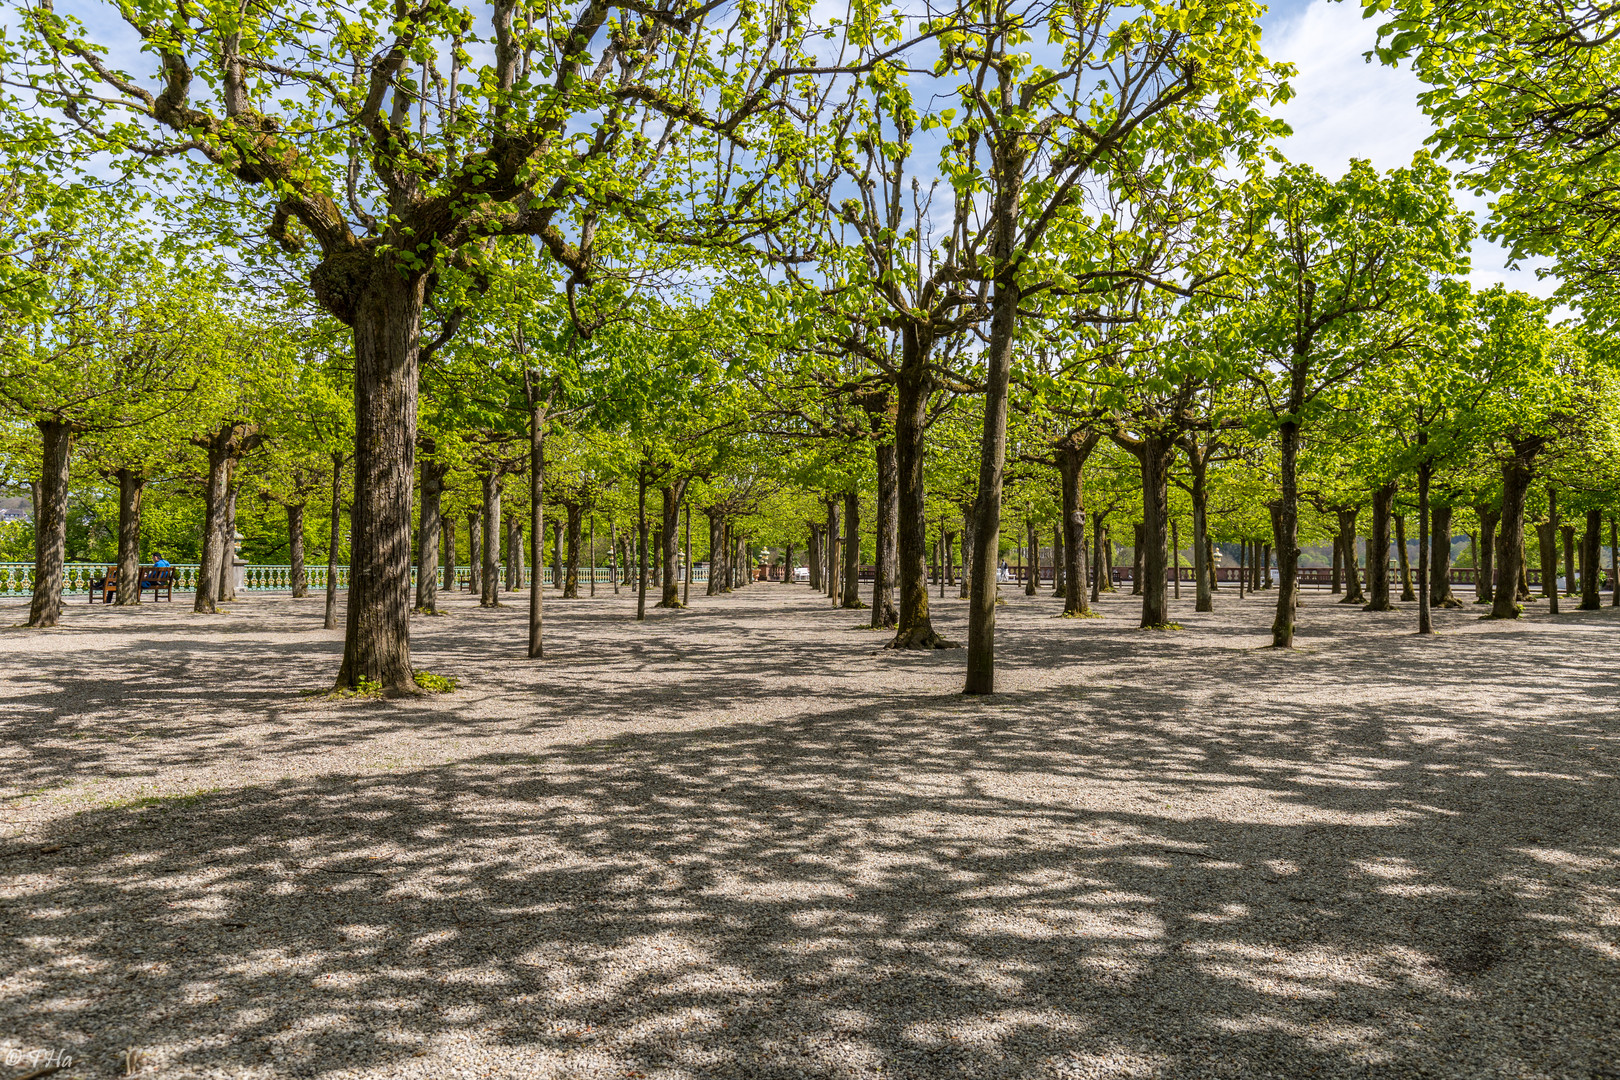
160 579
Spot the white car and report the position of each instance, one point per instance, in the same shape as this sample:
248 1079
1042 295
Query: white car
801 573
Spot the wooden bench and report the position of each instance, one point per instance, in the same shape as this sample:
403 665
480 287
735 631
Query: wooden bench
160 579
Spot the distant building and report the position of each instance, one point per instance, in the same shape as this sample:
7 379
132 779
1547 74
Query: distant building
16 509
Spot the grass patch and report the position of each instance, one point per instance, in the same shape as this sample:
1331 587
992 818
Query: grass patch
1164 626
1083 615
437 684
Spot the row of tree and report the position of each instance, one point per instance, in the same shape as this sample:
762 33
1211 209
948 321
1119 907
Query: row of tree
692 253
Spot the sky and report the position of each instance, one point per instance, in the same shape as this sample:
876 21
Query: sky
1347 108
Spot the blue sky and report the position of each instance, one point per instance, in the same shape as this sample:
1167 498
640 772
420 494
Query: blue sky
1346 107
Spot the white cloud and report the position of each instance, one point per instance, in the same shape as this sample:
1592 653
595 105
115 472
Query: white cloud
1348 108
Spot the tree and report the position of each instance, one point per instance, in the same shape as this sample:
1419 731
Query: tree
1341 279
433 155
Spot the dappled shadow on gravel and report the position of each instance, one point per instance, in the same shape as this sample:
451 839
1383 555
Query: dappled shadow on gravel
1154 855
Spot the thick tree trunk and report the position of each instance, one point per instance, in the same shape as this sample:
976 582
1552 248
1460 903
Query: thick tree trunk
576 540
387 337
717 554
641 544
1032 572
1203 570
1592 561
1440 594
835 551
1378 551
475 555
1352 576
1516 477
514 553
812 556
672 495
1549 551
1287 539
967 552
50 523
131 486
1567 533
448 529
1059 563
914 630
335 534
884 613
227 542
1102 570
1484 578
1337 573
295 551
1153 534
490 486
538 422
852 550
1138 542
1425 534
215 496
1403 559
429 525
1071 468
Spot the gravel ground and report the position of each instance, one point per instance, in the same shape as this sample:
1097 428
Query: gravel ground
742 841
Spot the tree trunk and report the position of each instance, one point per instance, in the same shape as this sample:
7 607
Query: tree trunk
1484 579
852 550
227 542
429 526
1440 594
1102 571
490 484
1592 561
1071 469
295 551
812 556
641 543
1287 539
1567 532
967 552
50 523
1139 542
884 613
1549 552
514 553
334 537
914 630
672 495
1404 561
834 552
387 324
1516 477
131 486
538 424
613 556
1378 551
717 556
558 578
1425 534
1153 533
1032 542
447 527
1059 564
214 508
1352 577
475 555
1337 574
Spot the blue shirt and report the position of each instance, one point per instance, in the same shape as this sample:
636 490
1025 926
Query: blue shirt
160 561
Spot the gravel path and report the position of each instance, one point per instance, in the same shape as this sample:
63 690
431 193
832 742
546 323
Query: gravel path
741 841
